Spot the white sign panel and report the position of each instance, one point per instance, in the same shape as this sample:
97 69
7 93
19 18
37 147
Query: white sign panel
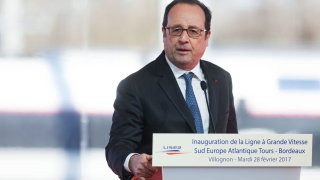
237 150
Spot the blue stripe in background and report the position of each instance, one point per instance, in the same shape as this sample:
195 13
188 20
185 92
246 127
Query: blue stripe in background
299 84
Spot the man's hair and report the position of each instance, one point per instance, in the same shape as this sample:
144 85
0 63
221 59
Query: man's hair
205 9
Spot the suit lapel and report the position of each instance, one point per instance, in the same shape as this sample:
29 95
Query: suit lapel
213 92
170 87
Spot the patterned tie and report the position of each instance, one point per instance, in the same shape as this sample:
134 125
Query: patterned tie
192 102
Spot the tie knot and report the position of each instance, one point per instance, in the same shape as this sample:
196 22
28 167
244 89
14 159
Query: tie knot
188 76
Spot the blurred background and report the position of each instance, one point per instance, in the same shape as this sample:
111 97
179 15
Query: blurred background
61 61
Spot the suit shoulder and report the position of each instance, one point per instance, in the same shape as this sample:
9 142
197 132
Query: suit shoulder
152 69
213 67
145 74
146 70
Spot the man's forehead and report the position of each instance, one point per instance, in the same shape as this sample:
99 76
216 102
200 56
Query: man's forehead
186 15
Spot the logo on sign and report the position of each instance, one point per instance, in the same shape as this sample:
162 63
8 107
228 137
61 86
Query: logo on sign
172 150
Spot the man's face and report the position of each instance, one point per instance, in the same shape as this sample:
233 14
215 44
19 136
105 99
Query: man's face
183 51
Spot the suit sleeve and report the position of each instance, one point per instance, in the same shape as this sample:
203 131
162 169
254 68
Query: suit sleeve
127 127
232 126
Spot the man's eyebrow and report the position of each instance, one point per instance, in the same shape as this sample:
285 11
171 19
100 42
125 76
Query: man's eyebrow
194 27
176 25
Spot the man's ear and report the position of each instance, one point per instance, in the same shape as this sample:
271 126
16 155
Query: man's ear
163 32
208 35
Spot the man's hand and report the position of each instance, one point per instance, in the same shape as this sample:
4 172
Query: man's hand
141 166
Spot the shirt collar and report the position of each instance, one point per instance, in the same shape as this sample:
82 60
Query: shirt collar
179 72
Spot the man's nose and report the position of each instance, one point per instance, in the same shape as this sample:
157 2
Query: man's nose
184 37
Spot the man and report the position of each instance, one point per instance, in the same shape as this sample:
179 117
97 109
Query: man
156 99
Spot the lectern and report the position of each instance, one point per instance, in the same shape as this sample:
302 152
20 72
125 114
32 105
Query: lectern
231 156
231 173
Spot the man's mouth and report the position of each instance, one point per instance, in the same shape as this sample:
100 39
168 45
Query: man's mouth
183 50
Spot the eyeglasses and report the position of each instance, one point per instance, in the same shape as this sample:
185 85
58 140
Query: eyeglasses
192 32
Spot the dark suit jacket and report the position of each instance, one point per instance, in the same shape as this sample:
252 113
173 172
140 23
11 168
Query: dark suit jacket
150 101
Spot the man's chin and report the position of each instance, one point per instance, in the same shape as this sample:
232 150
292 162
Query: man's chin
183 63
183 58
